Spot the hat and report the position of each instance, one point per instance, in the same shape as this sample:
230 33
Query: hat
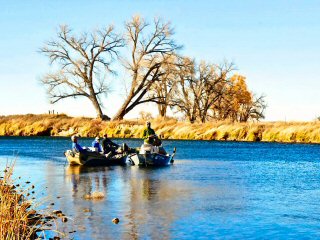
74 137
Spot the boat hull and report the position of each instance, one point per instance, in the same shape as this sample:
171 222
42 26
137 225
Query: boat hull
94 159
151 159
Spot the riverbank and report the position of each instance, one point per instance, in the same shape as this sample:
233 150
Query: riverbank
19 219
63 125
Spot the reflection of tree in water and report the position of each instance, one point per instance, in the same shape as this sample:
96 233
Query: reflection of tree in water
146 205
85 181
149 188
153 205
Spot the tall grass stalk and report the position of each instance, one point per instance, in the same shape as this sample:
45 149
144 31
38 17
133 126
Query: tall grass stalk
167 128
17 218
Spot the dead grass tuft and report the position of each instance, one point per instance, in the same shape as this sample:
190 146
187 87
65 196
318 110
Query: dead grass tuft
18 219
166 128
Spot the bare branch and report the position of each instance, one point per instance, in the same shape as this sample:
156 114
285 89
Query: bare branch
81 60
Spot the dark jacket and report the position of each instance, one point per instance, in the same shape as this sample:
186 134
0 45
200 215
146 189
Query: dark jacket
108 145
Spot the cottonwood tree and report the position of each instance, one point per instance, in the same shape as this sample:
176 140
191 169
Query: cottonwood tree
239 103
82 62
185 98
213 81
150 47
200 87
231 105
165 88
255 110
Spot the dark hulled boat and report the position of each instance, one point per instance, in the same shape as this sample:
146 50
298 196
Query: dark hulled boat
95 158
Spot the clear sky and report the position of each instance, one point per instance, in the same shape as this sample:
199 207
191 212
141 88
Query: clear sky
275 44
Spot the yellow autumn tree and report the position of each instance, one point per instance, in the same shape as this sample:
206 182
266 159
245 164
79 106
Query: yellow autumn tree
239 103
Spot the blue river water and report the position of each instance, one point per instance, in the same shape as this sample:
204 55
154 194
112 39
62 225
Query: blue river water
214 190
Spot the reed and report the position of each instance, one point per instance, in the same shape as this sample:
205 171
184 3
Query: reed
18 219
167 128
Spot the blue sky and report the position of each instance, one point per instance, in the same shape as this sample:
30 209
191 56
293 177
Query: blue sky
275 44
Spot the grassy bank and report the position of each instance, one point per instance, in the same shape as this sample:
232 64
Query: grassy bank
62 125
18 217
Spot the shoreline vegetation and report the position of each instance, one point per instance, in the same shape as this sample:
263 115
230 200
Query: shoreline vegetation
166 128
19 217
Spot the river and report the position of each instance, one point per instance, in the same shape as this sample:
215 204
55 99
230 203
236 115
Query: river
214 190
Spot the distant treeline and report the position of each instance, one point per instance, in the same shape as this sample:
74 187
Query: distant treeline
155 71
168 128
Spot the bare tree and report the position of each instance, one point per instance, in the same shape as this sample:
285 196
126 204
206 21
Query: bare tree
150 49
165 88
213 81
184 99
82 62
256 110
200 87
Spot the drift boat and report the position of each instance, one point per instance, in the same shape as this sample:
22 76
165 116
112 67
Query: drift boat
95 158
151 156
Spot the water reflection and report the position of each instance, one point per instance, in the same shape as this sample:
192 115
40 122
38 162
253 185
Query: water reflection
86 180
147 205
151 201
233 190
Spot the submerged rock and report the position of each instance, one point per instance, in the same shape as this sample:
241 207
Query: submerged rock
56 212
115 220
94 196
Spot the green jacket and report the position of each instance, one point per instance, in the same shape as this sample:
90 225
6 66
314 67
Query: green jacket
147 132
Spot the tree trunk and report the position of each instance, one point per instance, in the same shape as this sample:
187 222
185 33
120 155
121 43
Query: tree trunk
162 108
191 119
98 109
204 115
123 110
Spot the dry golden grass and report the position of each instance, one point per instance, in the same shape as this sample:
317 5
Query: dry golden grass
168 128
17 218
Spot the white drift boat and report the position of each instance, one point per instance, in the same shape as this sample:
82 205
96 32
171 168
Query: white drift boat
151 156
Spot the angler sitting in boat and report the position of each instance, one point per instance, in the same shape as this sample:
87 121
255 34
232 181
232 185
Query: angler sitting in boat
76 146
96 145
84 156
108 145
111 148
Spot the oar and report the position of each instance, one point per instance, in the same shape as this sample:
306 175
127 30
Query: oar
65 158
174 153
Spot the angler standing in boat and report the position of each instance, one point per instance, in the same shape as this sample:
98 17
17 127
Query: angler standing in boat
76 146
96 144
151 152
149 136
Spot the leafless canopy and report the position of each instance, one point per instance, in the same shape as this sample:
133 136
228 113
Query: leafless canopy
151 46
82 63
199 87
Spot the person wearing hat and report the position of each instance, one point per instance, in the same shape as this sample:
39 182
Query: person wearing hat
108 146
96 144
76 146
